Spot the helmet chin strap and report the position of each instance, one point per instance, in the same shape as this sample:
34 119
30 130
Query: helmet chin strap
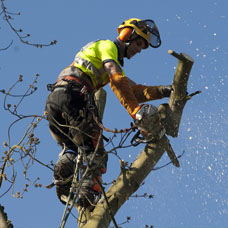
126 48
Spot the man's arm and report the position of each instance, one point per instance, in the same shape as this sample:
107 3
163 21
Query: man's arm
112 68
131 94
121 86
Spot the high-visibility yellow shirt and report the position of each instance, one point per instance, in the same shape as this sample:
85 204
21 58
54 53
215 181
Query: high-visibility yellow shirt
93 56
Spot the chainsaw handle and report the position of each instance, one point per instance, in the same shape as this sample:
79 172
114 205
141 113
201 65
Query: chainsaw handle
134 139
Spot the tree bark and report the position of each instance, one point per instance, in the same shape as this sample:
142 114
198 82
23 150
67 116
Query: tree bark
127 183
4 221
172 112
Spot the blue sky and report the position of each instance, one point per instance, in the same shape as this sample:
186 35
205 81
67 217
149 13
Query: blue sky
196 194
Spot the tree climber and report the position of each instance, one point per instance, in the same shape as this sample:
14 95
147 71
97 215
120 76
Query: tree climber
71 108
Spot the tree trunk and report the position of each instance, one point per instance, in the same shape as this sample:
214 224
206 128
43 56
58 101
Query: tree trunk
127 183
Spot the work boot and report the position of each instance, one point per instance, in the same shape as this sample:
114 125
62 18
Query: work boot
91 191
63 174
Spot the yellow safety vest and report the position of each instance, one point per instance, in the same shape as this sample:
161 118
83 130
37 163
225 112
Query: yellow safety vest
91 60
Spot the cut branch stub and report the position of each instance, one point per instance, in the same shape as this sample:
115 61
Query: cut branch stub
171 113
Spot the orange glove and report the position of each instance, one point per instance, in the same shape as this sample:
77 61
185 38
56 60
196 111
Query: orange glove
122 89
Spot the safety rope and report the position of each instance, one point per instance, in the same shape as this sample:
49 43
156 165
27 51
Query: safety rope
99 123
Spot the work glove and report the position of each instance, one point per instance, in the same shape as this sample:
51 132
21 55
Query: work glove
166 90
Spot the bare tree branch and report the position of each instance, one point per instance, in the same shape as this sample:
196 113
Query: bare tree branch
8 46
8 16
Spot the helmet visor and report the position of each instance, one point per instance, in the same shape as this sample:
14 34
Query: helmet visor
155 40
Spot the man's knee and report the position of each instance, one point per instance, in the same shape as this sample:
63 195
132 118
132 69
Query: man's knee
63 174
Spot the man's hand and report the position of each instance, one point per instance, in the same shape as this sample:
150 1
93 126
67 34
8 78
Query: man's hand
166 90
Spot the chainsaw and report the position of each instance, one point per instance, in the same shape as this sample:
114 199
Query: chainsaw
150 130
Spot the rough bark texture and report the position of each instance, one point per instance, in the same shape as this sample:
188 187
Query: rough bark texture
4 221
172 112
129 180
127 183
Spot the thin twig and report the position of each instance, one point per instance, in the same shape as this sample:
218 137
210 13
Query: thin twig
7 17
7 47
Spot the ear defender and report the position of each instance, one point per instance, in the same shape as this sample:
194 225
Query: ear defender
125 34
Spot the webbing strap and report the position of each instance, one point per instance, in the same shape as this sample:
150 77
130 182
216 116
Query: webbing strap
79 81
